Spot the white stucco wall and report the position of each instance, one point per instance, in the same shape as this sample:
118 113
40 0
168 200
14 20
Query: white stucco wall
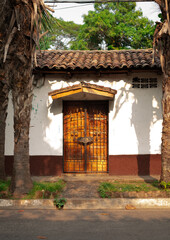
135 120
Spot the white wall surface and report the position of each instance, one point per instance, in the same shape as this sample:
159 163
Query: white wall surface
135 120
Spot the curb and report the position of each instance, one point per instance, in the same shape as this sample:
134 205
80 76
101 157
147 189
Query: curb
84 203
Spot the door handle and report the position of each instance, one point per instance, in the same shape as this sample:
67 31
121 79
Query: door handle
85 140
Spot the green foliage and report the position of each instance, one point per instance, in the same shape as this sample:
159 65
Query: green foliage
4 185
106 188
51 187
161 17
165 185
59 202
46 186
61 33
4 189
115 25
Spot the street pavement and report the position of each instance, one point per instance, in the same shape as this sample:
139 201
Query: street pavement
51 224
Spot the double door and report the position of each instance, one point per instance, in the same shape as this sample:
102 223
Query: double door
85 136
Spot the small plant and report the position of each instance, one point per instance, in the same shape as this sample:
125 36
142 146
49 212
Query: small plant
45 187
4 185
165 185
59 202
107 189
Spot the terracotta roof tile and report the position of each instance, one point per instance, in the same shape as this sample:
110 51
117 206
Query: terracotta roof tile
68 59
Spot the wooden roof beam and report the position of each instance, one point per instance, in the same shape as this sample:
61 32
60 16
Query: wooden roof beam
84 88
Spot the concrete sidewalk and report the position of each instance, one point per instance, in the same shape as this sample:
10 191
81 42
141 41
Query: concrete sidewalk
81 193
96 177
80 203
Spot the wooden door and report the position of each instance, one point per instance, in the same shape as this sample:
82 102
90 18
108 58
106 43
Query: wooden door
85 136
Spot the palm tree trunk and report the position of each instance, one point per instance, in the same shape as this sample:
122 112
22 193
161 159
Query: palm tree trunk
165 174
22 34
165 58
21 54
22 100
5 16
162 45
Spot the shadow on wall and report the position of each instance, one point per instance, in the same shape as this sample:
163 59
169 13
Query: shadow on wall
52 141
43 123
52 128
55 107
47 140
144 113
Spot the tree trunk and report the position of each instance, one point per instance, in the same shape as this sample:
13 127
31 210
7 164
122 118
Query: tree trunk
165 173
20 23
162 45
5 16
22 100
20 56
165 59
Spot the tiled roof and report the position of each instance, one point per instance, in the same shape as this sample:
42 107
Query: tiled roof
66 59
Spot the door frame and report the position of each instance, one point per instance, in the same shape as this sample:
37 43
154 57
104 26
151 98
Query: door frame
107 103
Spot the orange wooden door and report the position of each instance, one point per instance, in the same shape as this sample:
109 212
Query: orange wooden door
85 136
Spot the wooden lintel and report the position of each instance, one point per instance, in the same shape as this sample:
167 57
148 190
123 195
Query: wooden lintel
83 88
65 94
98 92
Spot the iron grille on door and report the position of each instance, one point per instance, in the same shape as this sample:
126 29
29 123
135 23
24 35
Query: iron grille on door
85 136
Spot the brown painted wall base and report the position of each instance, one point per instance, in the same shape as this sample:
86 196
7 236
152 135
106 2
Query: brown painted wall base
140 165
118 165
39 165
